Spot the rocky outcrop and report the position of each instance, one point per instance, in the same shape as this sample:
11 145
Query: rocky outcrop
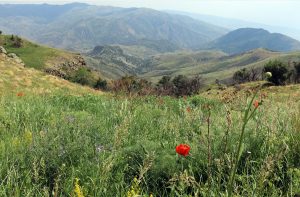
15 58
65 67
11 56
2 50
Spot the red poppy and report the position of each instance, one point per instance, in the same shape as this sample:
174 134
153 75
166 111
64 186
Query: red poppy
256 104
20 94
161 101
183 149
188 109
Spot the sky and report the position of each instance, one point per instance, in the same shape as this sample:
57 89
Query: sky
283 13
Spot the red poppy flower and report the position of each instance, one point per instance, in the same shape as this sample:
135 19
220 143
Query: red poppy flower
188 109
256 104
20 94
183 149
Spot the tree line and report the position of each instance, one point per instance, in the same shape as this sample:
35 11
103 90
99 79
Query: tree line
282 73
177 86
181 85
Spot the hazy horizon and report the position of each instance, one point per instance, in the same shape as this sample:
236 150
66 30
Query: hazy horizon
268 12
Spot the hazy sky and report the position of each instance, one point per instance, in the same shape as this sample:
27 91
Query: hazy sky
270 12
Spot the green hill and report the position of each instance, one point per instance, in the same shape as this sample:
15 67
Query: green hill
15 78
53 61
245 39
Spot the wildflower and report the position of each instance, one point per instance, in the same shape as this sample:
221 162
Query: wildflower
134 189
28 137
20 94
99 148
256 103
77 189
268 75
161 101
183 149
188 109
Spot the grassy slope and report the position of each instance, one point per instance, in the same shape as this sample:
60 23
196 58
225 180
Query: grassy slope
15 78
33 55
218 67
49 140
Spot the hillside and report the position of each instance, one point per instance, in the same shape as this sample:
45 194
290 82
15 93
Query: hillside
211 65
50 60
81 26
114 62
245 39
15 78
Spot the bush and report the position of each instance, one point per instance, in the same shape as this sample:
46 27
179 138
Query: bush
17 42
83 76
179 86
101 84
279 72
297 72
131 84
245 75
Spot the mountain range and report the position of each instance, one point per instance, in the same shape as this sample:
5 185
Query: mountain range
81 26
139 41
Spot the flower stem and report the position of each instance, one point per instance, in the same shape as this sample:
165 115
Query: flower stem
241 138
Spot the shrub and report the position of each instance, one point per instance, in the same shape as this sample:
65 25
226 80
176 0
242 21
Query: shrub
82 76
279 72
297 72
131 84
245 75
17 42
179 86
101 84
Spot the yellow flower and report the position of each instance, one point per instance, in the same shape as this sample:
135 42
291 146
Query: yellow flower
77 189
28 137
16 142
134 189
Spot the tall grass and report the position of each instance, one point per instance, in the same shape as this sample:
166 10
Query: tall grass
66 145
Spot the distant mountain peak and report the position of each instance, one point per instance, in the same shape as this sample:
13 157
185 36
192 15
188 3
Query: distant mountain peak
246 39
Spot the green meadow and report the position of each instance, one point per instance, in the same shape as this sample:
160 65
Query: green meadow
64 144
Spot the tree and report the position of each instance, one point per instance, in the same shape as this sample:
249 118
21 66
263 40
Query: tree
186 86
245 75
241 76
0 32
279 72
165 86
181 85
297 72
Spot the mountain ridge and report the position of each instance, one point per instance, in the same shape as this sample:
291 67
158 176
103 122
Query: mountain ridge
245 39
85 26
